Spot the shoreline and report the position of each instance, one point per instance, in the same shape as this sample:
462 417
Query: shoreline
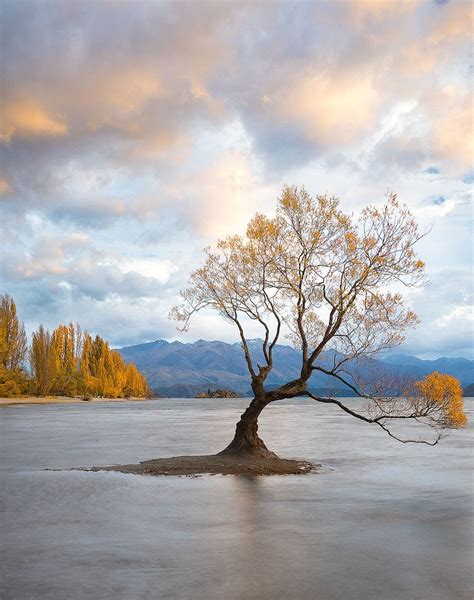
64 400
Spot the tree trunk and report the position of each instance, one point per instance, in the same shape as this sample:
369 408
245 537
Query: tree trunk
246 440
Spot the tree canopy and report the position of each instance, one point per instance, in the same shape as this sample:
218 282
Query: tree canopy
13 348
66 362
13 343
70 362
325 280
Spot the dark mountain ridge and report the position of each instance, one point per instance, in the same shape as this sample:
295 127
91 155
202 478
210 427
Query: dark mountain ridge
175 369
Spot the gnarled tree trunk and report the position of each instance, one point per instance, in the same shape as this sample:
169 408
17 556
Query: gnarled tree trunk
246 440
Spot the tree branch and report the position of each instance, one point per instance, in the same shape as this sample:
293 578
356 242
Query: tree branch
370 420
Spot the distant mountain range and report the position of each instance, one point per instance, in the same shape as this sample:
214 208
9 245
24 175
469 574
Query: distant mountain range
186 370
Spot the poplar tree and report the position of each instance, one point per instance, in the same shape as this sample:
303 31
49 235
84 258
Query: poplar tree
102 372
43 360
66 362
13 342
67 339
13 350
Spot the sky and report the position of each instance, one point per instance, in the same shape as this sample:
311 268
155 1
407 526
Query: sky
133 134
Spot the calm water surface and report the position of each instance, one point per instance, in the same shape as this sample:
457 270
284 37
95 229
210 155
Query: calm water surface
385 522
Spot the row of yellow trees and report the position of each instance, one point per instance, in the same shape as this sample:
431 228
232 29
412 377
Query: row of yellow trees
66 362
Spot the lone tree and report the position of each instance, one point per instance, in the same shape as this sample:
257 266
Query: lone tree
325 280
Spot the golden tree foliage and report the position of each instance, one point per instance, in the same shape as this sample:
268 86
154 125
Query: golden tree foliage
70 362
135 383
322 278
13 344
13 350
315 271
67 362
67 342
104 373
444 393
43 361
9 388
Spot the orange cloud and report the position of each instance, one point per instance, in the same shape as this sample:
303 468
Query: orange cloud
5 186
47 257
452 136
327 110
117 97
228 186
29 119
380 9
455 22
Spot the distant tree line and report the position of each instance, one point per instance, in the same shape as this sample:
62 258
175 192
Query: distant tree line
66 362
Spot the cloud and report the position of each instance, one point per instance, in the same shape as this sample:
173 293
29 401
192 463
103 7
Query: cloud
5 187
374 11
72 262
464 313
327 110
93 211
227 187
469 177
47 258
27 119
451 133
445 331
133 134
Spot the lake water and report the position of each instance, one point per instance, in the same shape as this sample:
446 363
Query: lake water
386 521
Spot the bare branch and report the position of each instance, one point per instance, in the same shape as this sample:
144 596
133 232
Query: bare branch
371 420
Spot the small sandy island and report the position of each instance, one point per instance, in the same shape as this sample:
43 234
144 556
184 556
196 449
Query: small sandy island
63 400
215 465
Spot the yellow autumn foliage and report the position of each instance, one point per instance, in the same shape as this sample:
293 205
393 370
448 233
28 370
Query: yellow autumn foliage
69 362
103 372
446 392
13 350
66 362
